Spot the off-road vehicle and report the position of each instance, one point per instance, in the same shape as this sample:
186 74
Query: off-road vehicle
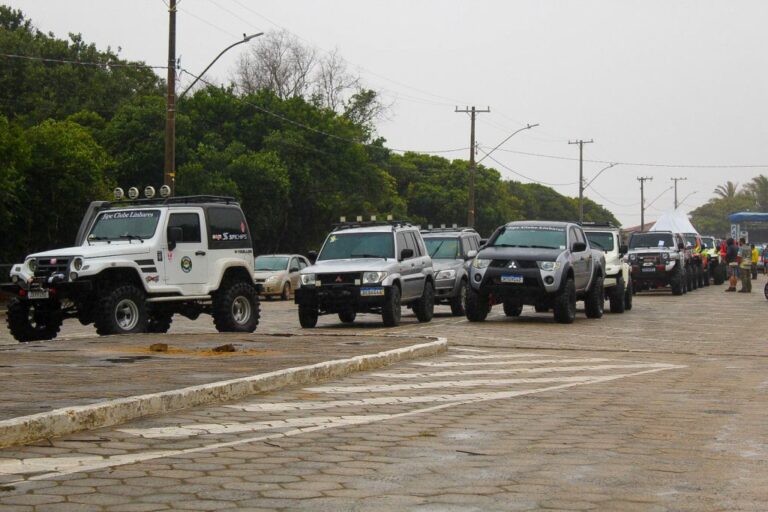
618 284
549 265
135 265
657 259
699 261
451 250
368 268
716 269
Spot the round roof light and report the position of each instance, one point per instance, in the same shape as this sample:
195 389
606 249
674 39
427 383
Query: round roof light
133 193
165 191
119 194
149 192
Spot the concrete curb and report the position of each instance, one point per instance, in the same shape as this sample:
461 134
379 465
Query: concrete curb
59 422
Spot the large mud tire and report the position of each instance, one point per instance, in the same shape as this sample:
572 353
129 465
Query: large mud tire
347 316
594 302
308 316
122 310
565 303
628 293
512 309
459 302
28 321
159 321
676 283
392 309
236 307
617 296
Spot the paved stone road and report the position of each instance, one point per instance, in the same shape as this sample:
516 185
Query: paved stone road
662 408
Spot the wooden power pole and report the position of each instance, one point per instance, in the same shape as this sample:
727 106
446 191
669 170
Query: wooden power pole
471 203
642 200
169 174
581 174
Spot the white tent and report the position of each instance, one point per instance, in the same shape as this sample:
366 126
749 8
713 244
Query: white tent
675 221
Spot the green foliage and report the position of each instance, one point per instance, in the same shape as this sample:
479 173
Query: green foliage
712 218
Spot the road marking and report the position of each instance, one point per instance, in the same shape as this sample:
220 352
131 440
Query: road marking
545 369
43 468
449 364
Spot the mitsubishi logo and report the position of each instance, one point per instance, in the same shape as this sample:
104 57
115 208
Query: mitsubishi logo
339 279
512 264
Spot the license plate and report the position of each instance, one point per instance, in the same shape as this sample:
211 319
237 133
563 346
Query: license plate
648 264
37 294
649 269
514 279
372 292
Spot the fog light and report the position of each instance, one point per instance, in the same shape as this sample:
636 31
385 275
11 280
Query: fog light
15 279
73 276
549 279
478 278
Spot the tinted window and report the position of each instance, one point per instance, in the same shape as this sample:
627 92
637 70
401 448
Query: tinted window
270 263
357 245
474 242
228 228
541 237
403 243
651 239
189 224
600 240
415 243
294 265
579 235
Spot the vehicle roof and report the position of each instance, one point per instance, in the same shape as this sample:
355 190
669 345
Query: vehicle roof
281 255
173 202
548 223
448 234
383 228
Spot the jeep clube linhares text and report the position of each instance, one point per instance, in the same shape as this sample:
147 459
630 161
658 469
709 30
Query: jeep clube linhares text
137 263
370 267
657 259
549 265
618 284
451 250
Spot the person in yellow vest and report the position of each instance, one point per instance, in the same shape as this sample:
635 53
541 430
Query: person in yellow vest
755 257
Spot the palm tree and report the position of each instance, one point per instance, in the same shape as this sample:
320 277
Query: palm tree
758 190
727 191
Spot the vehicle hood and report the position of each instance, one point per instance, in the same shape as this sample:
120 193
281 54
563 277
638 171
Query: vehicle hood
266 274
520 253
350 265
121 249
441 264
650 250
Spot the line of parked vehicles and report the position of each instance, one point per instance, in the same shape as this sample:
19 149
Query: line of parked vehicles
138 262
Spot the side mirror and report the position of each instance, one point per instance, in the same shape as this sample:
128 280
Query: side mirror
681 246
312 256
293 269
579 247
483 241
175 235
406 253
623 249
471 254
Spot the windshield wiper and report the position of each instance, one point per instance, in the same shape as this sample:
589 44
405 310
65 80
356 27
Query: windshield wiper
366 256
541 247
132 237
510 245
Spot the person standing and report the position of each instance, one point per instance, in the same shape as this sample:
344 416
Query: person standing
745 266
731 259
755 257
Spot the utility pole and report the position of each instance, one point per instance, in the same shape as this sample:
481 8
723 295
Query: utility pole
581 174
471 204
642 200
676 180
169 174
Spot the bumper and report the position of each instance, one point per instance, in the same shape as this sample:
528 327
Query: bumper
332 299
530 291
62 290
446 289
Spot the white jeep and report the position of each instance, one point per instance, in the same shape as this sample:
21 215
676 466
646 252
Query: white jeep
137 263
617 283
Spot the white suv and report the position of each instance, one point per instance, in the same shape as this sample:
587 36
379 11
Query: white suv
137 264
618 283
368 268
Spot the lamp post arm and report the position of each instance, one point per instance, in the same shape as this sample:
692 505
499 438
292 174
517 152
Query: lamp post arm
526 127
658 196
598 174
225 50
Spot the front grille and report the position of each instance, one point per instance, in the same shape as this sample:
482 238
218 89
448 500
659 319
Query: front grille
518 264
339 279
46 267
531 282
652 258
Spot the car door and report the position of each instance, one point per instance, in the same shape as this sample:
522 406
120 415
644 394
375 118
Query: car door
579 260
407 267
293 272
187 263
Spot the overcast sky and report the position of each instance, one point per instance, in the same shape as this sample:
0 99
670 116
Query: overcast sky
660 82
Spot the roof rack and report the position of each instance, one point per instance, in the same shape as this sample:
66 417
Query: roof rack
175 200
449 230
600 224
340 226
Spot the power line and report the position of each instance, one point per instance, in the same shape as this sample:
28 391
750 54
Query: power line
79 62
640 164
527 177
622 205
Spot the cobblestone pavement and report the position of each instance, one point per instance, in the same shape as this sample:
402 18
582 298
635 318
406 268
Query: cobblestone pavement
662 408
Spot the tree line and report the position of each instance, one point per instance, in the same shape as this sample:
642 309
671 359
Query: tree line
712 217
294 142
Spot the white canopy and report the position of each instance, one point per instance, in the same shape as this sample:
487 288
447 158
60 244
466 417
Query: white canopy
675 221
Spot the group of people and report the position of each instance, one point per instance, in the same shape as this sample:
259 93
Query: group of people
742 260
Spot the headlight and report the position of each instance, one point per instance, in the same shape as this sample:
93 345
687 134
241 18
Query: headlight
665 256
446 274
480 263
273 279
632 257
32 265
373 277
307 279
77 264
548 265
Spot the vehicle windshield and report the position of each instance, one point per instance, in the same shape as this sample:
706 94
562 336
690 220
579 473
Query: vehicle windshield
708 242
539 237
690 239
651 239
271 262
600 240
125 225
358 245
443 248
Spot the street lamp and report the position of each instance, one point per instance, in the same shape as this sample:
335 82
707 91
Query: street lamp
583 187
686 197
169 173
